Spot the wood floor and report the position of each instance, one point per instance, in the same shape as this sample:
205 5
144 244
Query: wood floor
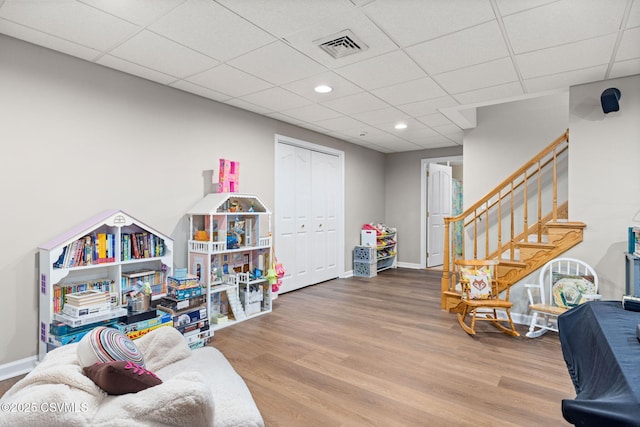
381 352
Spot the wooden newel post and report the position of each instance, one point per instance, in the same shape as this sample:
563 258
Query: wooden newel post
444 286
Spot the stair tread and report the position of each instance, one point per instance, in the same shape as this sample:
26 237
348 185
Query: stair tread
541 245
568 224
509 263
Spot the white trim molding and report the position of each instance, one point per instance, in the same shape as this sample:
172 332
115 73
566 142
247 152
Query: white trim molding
18 367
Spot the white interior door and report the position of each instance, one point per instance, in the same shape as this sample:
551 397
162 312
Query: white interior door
324 172
307 215
439 200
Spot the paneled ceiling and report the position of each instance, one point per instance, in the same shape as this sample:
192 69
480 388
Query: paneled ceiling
425 63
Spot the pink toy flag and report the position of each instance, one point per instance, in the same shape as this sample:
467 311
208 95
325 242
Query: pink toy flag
229 176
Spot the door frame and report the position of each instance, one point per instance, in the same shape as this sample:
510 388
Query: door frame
423 202
340 196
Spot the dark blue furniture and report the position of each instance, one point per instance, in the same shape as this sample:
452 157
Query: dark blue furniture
602 353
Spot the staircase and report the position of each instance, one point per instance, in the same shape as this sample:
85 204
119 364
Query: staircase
520 222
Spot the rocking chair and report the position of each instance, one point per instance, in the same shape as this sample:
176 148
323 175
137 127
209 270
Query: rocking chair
480 297
563 284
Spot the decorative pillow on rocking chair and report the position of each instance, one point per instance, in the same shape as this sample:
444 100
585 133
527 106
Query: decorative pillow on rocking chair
476 284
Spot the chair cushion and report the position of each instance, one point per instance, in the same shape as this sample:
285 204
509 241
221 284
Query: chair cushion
105 344
569 290
476 283
121 377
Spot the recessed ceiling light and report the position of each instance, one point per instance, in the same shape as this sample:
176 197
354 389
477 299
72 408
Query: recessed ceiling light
323 89
401 126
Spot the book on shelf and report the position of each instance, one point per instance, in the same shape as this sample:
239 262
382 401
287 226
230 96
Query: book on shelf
60 328
88 297
87 250
75 322
61 291
102 246
143 324
141 245
88 310
141 332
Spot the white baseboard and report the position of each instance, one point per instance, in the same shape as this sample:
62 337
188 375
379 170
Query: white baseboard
346 274
409 265
18 367
521 319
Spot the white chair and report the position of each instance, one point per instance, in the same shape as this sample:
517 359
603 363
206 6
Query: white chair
563 283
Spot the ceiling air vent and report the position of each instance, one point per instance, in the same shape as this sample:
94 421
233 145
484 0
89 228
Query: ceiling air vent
342 44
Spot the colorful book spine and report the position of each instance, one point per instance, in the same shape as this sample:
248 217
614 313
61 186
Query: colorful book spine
137 334
143 324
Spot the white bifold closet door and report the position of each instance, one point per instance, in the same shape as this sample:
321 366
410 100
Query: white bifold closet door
307 191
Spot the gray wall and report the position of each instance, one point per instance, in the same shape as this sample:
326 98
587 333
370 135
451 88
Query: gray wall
403 177
604 177
507 136
78 138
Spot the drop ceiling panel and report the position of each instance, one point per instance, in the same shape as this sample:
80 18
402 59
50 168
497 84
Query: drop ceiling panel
237 102
434 119
436 142
472 46
140 12
630 45
340 123
507 90
507 7
202 91
412 91
211 29
229 80
625 68
396 144
276 99
42 39
364 132
572 56
384 70
70 20
428 19
385 116
176 60
416 132
430 106
341 87
286 119
634 15
312 113
285 17
563 80
135 69
357 103
480 76
448 130
277 63
556 23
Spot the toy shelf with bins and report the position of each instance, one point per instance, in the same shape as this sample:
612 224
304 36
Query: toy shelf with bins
230 251
383 239
98 254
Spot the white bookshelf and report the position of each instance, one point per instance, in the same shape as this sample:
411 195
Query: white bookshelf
155 253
